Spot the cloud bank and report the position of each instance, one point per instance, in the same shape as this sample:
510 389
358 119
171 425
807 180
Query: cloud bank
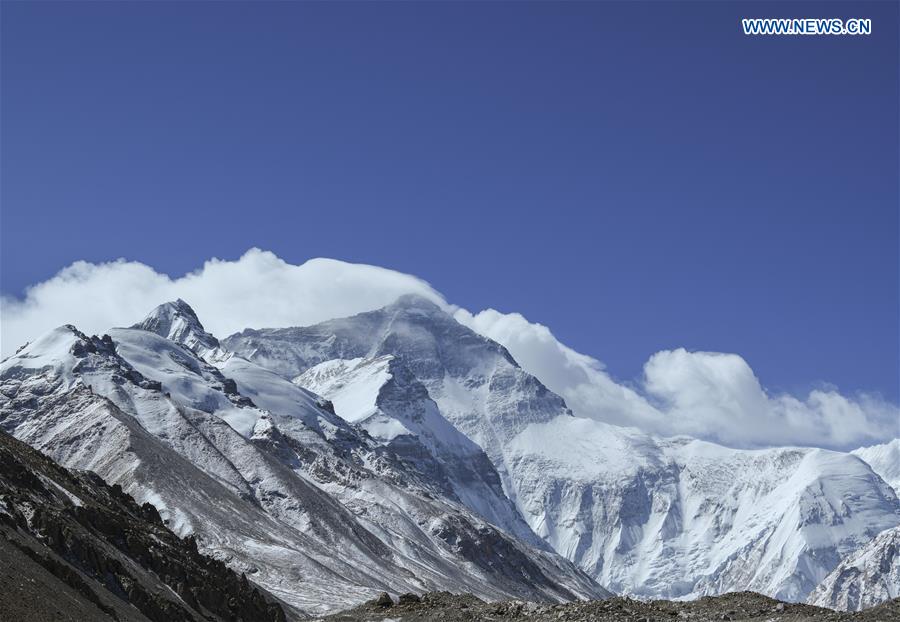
708 395
258 290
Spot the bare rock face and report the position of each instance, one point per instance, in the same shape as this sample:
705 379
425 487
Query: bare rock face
73 546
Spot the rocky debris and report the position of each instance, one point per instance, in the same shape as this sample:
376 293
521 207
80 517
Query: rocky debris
734 606
69 535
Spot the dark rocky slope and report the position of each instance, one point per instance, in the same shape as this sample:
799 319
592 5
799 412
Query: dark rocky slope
74 548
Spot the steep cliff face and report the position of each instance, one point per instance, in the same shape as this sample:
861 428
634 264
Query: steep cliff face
72 547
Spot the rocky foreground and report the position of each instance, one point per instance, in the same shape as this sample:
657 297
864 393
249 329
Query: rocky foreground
735 606
73 549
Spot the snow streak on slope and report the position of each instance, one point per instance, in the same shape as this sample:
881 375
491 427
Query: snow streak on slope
273 488
676 518
871 575
884 460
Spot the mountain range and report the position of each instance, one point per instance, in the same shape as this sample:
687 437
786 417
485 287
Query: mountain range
397 450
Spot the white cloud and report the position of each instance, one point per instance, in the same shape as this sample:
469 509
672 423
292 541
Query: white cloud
717 396
258 290
581 380
708 395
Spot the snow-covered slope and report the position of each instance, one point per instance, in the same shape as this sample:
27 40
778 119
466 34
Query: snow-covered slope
386 400
864 579
690 517
675 518
271 481
884 460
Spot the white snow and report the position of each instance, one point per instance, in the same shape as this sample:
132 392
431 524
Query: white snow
884 460
352 385
51 351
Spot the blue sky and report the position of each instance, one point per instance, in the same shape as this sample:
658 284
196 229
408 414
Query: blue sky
637 176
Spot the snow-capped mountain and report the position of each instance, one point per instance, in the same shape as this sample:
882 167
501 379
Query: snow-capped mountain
260 470
656 518
398 450
864 579
884 460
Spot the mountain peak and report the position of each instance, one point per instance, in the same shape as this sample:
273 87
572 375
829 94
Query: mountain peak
182 307
176 320
170 310
417 302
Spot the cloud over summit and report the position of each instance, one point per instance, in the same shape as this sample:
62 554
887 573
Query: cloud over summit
710 395
258 290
